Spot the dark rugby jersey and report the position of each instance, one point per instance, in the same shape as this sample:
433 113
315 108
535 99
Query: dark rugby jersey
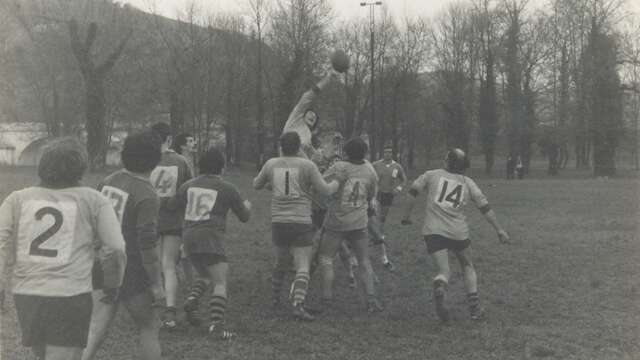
166 178
136 205
205 202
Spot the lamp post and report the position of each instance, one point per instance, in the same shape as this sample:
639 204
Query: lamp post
372 122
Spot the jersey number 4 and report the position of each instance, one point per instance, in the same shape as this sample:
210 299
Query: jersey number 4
451 196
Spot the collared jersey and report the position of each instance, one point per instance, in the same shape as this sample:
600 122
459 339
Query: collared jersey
172 171
389 175
136 205
291 180
52 232
206 200
447 196
348 207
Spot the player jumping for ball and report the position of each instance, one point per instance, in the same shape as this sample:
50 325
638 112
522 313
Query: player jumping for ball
205 202
445 226
53 228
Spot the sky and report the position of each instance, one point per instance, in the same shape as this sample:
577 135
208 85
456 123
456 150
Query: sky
343 9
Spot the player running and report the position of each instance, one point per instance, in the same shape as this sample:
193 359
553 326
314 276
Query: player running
52 229
166 178
205 202
347 220
445 227
391 181
291 179
136 205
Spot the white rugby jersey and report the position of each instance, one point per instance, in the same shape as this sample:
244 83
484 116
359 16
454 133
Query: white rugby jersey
52 234
447 196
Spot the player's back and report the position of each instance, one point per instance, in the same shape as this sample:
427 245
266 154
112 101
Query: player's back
348 208
54 231
133 199
172 171
447 195
207 200
291 182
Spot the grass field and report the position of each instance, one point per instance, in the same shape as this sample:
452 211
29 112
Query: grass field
568 287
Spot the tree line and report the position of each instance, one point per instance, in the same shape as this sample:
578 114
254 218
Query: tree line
493 77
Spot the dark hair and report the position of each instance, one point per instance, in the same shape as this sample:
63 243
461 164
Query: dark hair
356 149
290 143
141 152
457 161
63 163
212 162
163 130
315 123
180 141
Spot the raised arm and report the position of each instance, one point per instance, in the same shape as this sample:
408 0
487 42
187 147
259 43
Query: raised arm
307 99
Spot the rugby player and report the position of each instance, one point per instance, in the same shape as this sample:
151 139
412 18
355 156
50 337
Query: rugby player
391 181
166 178
445 226
304 120
205 202
291 179
347 219
52 229
136 205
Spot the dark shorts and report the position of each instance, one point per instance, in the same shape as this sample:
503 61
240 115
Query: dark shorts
201 261
348 236
170 232
134 282
292 235
56 321
385 198
437 242
317 217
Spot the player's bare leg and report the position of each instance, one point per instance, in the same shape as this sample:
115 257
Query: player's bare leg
349 261
470 284
62 353
102 316
384 211
280 269
218 302
330 245
441 282
170 256
146 319
361 248
300 284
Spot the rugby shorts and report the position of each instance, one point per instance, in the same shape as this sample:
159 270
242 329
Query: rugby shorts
437 242
385 198
292 234
55 321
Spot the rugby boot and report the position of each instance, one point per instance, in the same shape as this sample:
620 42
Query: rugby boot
439 295
217 331
299 313
374 305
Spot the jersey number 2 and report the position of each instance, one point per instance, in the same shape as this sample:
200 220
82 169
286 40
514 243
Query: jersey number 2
34 248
